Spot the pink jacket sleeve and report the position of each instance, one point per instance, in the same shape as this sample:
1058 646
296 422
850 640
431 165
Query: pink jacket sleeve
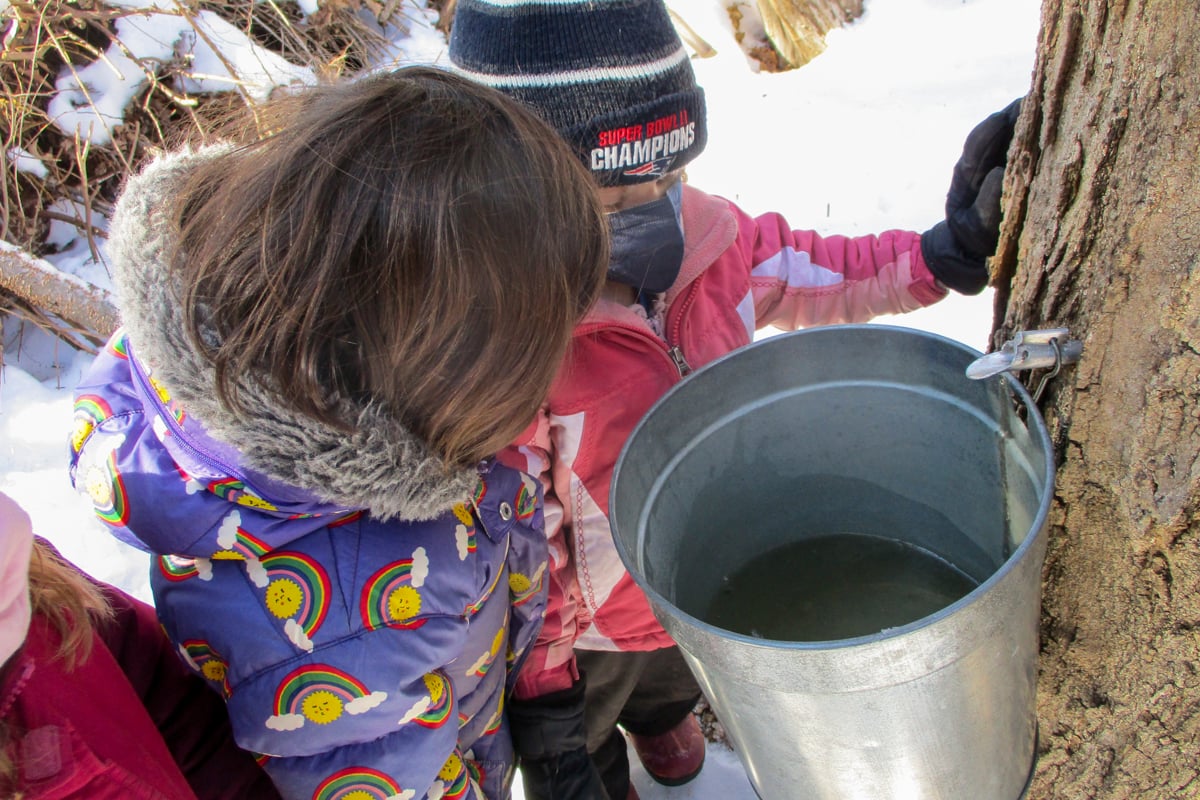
550 665
801 279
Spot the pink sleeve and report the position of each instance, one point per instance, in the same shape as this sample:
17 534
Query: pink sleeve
550 665
800 278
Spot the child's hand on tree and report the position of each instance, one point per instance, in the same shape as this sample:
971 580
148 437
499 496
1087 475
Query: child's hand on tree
957 248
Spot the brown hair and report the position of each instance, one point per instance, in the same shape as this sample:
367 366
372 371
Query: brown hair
410 239
73 605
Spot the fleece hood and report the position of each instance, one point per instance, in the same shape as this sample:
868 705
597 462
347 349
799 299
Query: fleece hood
381 466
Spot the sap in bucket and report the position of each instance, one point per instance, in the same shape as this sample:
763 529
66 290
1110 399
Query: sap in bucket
845 536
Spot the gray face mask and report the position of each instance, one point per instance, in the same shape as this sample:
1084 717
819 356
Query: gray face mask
647 243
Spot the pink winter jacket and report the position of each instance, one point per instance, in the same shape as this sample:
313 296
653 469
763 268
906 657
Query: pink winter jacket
739 274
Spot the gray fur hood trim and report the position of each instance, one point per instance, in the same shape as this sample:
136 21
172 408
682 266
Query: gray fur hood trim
381 467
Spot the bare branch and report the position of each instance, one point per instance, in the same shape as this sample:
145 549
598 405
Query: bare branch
41 284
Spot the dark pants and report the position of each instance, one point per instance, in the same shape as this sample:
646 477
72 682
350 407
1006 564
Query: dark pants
646 693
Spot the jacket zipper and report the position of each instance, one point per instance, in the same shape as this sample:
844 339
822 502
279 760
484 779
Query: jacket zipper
672 332
680 362
672 351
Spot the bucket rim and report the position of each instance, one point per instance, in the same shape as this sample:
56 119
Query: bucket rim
1037 430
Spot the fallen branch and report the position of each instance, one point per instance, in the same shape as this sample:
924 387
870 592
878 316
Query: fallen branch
40 284
13 307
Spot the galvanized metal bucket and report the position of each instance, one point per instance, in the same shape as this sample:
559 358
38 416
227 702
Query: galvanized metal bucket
869 428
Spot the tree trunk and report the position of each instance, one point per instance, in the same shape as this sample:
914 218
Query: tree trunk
1102 235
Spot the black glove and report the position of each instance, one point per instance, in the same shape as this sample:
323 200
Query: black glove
549 736
957 249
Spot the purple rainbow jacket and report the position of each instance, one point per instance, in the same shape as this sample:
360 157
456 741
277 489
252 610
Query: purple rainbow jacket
360 612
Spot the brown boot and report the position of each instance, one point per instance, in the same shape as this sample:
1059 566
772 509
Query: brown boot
675 757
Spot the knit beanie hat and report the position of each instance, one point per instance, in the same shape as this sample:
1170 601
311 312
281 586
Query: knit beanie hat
612 76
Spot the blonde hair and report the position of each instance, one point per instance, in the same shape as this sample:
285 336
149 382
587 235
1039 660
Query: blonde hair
74 606
69 600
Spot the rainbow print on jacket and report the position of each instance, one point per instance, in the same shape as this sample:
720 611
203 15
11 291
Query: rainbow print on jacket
90 411
453 779
488 657
432 710
118 346
390 597
208 662
494 721
361 783
237 543
97 473
526 501
297 592
235 491
178 568
523 588
320 694
464 531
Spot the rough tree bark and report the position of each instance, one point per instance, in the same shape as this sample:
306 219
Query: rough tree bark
1102 235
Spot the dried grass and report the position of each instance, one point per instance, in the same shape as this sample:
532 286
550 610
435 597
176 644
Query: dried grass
44 39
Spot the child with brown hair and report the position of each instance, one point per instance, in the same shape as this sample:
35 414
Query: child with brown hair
328 333
692 277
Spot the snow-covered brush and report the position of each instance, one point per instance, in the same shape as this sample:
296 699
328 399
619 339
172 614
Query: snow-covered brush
93 88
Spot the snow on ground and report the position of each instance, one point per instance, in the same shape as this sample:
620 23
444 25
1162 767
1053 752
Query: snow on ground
860 140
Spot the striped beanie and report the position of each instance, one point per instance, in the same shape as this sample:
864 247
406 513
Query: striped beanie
611 76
